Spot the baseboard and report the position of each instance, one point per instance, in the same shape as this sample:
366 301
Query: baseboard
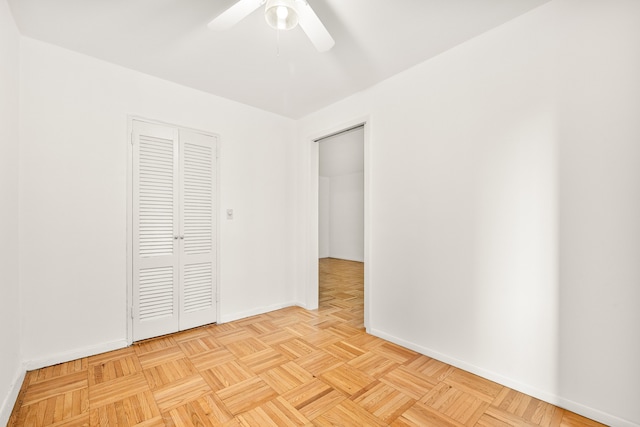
594 414
12 395
74 354
254 312
552 398
347 258
302 305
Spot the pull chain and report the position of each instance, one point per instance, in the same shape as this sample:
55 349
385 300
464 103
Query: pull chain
278 42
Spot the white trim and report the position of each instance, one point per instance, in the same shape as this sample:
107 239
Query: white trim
78 353
551 398
129 271
256 311
218 226
129 221
311 263
301 305
10 399
312 293
347 259
367 223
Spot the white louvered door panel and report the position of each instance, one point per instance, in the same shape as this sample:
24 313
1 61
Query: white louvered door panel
198 226
156 261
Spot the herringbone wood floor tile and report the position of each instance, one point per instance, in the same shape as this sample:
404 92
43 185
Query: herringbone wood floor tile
456 404
420 415
49 388
246 395
105 370
199 345
207 410
277 413
314 398
131 410
411 383
212 358
286 377
227 374
347 413
373 364
115 390
59 370
264 360
526 407
290 367
432 368
344 351
167 373
180 392
384 401
347 379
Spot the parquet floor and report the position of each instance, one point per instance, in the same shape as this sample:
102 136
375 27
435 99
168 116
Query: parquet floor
291 367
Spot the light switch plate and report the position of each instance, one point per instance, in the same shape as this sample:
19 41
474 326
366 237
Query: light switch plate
229 213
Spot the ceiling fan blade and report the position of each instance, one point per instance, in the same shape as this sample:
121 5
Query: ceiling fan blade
234 14
313 27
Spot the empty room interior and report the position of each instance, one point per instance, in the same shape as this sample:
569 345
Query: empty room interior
172 208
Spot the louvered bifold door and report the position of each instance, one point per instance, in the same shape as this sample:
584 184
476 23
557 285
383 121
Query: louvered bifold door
198 221
156 238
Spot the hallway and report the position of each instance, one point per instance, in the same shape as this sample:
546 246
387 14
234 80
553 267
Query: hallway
342 290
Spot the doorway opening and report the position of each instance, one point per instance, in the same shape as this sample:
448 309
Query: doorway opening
338 264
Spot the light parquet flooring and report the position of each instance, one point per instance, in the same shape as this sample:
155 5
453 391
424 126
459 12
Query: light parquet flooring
291 367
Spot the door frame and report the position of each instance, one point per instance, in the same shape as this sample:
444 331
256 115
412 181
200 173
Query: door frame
129 141
312 284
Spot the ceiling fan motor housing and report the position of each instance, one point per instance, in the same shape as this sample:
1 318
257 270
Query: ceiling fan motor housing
281 14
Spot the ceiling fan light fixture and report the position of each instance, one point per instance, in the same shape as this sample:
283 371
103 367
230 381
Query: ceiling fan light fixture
281 14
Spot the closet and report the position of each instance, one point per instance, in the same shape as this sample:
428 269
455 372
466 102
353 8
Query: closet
173 226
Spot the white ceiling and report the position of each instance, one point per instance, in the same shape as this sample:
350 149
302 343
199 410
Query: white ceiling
375 39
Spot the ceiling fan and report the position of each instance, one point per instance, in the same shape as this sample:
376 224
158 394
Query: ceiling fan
281 15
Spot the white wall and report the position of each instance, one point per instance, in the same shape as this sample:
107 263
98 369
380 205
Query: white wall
324 215
504 209
513 159
341 217
341 196
343 153
599 206
10 361
73 168
346 223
